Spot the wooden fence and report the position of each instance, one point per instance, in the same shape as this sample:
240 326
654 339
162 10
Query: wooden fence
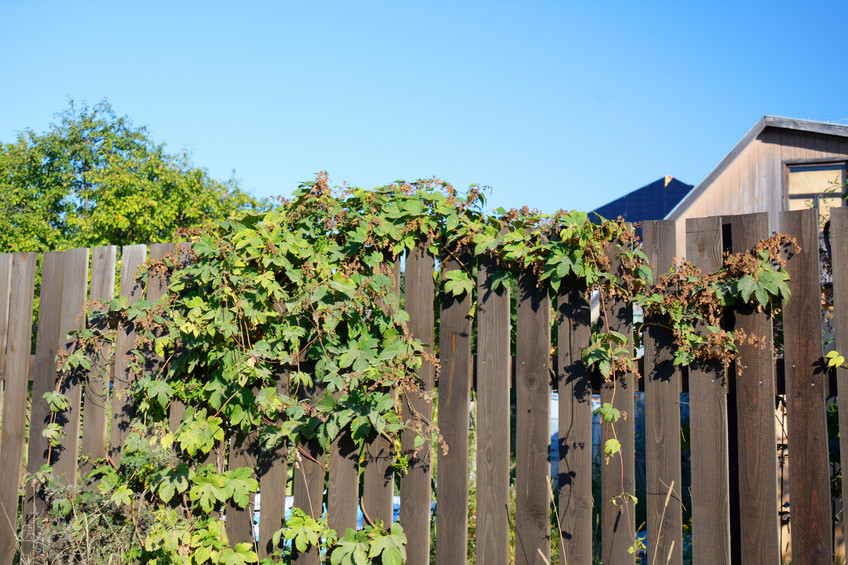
733 453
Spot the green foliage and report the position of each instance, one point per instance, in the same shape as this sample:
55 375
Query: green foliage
287 325
372 545
94 178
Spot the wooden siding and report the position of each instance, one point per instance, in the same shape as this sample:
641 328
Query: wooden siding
752 179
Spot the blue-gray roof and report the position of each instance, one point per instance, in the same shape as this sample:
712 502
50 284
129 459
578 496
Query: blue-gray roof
651 202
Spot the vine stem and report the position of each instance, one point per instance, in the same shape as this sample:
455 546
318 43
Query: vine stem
631 529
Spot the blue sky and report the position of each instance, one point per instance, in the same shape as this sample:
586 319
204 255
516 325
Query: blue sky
552 104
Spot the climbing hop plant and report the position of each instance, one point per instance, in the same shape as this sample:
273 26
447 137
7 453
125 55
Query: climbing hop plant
288 326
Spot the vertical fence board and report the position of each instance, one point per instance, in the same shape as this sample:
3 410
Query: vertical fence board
243 452
177 408
19 299
343 483
377 474
415 485
132 256
309 473
273 474
662 414
806 389
309 491
708 421
618 474
575 424
157 286
97 384
493 383
532 422
74 295
755 430
454 398
43 380
378 480
5 282
839 239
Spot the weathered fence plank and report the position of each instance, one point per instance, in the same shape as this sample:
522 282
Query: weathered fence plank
5 282
97 384
273 474
662 413
806 389
493 382
74 295
378 480
63 292
377 473
415 489
342 483
618 474
177 408
532 421
19 300
575 424
132 257
243 453
309 474
708 421
755 429
454 397
839 225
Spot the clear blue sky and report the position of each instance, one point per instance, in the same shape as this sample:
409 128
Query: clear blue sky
552 104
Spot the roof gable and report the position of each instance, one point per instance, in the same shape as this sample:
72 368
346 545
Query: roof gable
651 202
807 126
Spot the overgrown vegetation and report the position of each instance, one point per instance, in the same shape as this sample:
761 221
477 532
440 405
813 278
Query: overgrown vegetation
94 178
307 290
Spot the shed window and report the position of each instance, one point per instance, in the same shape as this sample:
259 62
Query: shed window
815 185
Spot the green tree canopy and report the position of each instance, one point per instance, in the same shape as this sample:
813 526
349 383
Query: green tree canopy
94 178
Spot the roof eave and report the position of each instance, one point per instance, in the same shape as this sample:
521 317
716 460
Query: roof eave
824 128
752 134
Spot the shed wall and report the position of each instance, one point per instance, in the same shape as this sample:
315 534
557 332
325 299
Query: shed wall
754 180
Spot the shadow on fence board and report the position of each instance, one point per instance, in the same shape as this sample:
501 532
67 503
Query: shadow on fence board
732 452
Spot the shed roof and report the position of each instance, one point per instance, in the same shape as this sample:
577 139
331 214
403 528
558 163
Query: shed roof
808 126
651 202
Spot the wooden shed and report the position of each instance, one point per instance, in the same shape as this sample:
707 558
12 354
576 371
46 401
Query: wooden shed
780 164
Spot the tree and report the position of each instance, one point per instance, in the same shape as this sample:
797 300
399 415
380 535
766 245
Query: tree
94 178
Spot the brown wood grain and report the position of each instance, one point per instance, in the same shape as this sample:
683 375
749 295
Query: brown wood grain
243 453
5 287
755 429
618 474
273 475
662 412
310 464
708 421
806 391
44 379
415 489
63 292
532 422
177 408
454 397
74 294
493 380
97 384
377 472
19 301
575 424
839 225
378 480
132 257
343 483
